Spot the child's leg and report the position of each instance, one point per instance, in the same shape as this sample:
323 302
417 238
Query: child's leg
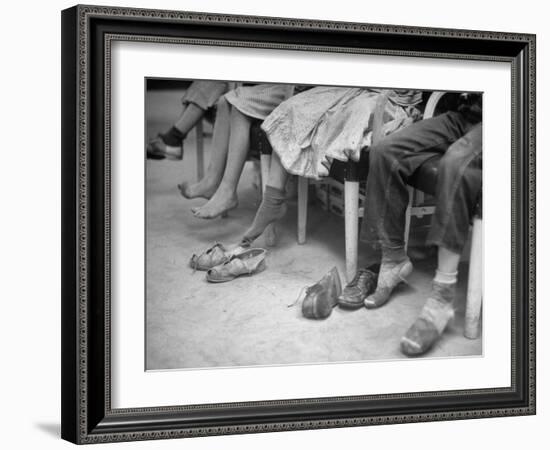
278 176
225 197
273 205
394 268
392 161
174 136
447 260
191 114
199 97
218 157
438 310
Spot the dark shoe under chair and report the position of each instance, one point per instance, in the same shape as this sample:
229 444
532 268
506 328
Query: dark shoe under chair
357 290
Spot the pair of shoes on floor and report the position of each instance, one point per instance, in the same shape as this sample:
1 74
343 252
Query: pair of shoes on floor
359 288
158 149
435 317
222 265
323 296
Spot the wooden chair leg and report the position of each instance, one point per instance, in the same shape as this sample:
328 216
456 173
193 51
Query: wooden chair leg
200 150
326 205
303 187
408 217
351 199
270 232
257 183
475 282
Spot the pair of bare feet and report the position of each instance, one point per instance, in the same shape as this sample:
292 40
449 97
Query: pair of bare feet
220 200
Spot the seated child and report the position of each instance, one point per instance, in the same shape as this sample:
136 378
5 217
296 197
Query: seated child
314 127
457 136
230 143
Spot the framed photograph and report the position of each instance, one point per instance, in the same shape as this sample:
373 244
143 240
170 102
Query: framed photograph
281 224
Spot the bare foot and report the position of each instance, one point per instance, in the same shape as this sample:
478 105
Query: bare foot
203 189
221 202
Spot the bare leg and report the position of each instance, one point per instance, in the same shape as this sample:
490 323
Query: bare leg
278 176
225 197
447 260
273 205
220 143
191 114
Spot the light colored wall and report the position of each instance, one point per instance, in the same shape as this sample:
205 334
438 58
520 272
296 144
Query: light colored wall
30 222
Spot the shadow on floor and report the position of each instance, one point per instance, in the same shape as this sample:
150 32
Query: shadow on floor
51 429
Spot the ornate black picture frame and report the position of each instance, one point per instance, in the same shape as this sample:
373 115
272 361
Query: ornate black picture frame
87 34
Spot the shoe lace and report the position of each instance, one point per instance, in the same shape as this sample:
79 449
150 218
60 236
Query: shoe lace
304 290
360 277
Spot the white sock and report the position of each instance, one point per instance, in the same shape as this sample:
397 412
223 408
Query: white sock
446 277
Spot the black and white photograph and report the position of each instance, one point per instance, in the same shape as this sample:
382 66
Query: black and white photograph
290 224
282 223
275 225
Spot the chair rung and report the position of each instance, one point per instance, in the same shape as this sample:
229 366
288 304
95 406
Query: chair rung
420 211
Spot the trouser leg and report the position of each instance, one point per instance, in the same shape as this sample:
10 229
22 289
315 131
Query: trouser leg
458 188
392 161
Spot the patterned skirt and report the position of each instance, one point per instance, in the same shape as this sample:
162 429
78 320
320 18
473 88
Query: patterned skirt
311 129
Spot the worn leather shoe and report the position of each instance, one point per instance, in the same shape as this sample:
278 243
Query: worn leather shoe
214 256
158 149
357 290
322 296
436 315
248 263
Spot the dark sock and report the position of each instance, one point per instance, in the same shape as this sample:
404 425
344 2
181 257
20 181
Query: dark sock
173 137
272 208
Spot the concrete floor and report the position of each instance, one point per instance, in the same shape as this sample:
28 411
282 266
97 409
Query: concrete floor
192 324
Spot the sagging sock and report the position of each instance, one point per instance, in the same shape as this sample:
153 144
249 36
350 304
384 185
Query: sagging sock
432 321
446 277
395 267
173 137
272 208
394 255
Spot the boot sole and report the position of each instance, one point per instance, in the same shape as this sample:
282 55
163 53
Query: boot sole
348 305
